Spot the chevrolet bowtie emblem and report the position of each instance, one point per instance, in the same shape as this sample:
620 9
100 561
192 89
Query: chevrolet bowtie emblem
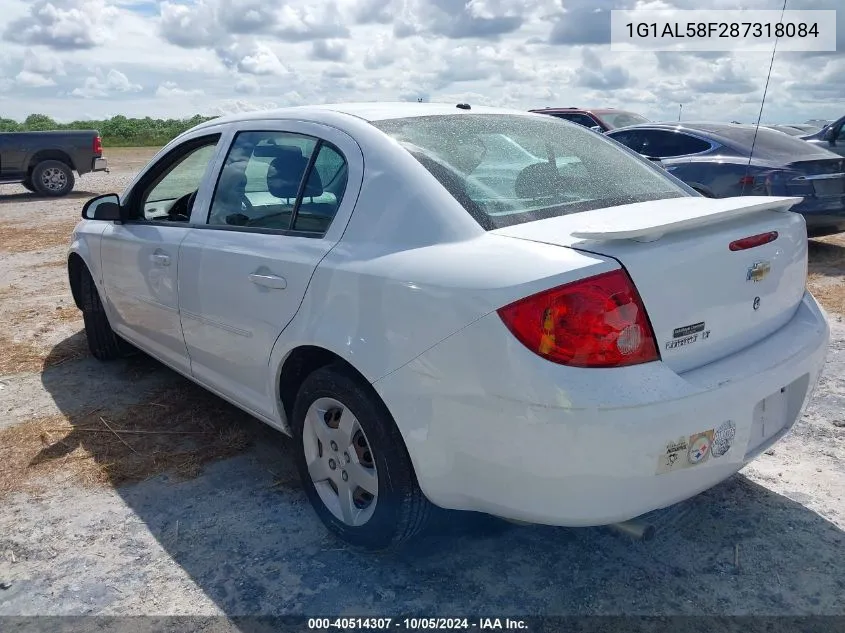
758 271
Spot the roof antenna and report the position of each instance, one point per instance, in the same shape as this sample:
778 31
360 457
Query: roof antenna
762 103
680 110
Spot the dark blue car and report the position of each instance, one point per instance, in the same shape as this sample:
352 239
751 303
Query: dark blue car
713 158
831 137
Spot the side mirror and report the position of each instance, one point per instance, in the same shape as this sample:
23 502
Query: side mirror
829 135
105 208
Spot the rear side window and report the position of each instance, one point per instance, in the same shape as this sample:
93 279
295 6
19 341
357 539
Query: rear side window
315 213
622 119
280 181
509 169
580 119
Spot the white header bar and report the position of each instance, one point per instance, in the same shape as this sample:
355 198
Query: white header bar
710 30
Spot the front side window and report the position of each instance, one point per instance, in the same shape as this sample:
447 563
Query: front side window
170 196
279 180
510 169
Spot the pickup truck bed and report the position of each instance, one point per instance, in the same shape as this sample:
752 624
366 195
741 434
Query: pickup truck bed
45 162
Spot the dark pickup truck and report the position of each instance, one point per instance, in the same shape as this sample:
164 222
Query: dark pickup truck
44 162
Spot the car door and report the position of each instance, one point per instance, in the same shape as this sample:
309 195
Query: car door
284 194
13 150
140 256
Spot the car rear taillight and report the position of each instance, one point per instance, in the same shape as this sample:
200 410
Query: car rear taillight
98 145
595 322
746 180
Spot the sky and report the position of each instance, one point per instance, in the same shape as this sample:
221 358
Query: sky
89 59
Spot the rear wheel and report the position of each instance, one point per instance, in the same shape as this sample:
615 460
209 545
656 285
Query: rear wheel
102 341
52 178
354 466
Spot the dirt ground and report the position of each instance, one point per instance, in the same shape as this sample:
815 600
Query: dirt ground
125 490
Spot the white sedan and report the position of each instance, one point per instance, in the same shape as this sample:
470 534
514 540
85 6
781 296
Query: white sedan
473 308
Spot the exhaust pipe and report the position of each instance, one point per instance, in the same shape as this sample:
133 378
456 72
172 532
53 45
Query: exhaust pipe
635 528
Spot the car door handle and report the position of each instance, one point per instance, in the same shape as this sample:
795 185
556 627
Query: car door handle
269 281
160 259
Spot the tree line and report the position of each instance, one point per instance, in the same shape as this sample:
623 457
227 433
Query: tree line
118 131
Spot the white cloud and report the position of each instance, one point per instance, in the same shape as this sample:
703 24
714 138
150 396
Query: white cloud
105 85
261 61
64 24
234 106
33 80
158 58
247 86
172 89
39 69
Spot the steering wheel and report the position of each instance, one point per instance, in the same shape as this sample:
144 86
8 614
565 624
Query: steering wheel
181 211
190 204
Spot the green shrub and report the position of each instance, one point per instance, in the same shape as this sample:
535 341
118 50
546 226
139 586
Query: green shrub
118 131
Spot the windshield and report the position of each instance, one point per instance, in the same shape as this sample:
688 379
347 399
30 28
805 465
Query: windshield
620 118
510 169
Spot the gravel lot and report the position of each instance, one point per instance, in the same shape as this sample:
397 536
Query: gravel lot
94 522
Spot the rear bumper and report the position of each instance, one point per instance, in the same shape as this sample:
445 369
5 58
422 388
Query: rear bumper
492 427
100 164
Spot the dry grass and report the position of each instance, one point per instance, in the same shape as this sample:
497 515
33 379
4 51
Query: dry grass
44 317
827 272
179 431
56 263
829 292
18 237
18 357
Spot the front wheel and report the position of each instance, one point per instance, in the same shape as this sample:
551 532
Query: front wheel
52 178
353 463
102 341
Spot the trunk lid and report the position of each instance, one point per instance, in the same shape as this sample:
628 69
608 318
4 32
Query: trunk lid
819 178
705 301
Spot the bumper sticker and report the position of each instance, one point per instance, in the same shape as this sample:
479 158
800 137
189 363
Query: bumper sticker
723 439
699 448
686 452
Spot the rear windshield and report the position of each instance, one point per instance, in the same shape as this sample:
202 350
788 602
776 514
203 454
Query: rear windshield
770 144
622 119
510 169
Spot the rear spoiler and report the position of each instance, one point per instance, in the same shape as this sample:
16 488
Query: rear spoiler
649 221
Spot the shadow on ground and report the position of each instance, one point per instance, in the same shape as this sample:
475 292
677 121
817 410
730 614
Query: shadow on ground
245 534
27 196
826 258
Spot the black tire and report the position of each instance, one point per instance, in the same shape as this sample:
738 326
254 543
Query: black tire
102 341
402 510
52 178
